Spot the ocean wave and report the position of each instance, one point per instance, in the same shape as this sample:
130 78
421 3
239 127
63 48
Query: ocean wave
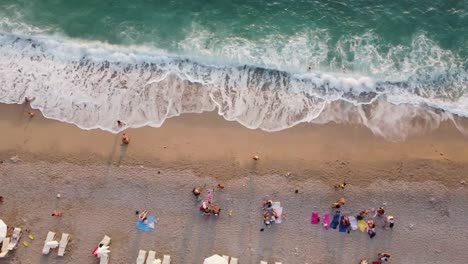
92 85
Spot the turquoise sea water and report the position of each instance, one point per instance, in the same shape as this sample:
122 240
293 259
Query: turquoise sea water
265 64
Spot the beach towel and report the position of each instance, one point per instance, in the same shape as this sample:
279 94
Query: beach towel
362 225
326 221
277 207
209 196
148 226
336 219
342 227
314 219
376 262
353 222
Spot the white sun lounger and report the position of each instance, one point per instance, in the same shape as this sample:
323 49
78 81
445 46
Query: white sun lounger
63 244
15 238
4 252
50 238
226 258
157 261
141 257
104 259
166 259
263 262
105 242
151 257
233 261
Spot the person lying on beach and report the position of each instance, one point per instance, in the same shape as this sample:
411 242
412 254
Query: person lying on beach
221 186
31 114
125 139
1 199
345 221
384 256
143 215
57 213
339 203
362 214
363 261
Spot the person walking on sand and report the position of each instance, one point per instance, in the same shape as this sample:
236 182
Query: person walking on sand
125 139
384 256
339 203
370 229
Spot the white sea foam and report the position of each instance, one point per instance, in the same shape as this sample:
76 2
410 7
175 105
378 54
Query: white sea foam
92 84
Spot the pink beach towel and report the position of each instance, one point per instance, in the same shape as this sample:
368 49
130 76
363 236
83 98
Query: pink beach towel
314 218
209 195
326 221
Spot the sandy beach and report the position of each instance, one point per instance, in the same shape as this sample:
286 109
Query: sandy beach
419 181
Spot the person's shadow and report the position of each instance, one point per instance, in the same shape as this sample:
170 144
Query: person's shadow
123 152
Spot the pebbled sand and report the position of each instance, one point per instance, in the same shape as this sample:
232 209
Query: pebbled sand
102 184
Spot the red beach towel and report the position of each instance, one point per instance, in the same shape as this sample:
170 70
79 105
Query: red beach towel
314 218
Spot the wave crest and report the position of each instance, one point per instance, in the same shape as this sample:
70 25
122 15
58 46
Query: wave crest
92 85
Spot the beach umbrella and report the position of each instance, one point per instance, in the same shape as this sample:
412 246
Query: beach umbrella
3 230
215 259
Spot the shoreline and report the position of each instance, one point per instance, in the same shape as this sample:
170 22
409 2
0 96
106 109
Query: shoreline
209 146
102 184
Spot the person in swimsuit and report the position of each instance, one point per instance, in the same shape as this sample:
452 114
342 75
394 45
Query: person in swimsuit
125 139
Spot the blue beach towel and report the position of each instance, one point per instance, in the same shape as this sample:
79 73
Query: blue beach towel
335 221
342 227
149 226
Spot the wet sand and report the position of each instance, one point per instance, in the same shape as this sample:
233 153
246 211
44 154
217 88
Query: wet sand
102 184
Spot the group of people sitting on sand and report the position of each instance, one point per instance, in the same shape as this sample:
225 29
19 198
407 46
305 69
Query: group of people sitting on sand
379 218
207 207
269 213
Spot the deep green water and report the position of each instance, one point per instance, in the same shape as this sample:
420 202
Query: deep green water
165 24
